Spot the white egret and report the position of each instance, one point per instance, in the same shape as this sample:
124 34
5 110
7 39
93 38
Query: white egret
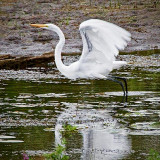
101 44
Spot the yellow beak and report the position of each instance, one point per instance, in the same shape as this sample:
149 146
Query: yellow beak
38 25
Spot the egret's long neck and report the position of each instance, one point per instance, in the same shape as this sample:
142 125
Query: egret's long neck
58 60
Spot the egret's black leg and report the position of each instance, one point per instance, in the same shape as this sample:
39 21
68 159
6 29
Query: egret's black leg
119 82
125 91
125 82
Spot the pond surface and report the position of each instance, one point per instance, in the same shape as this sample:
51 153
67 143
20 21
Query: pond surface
34 106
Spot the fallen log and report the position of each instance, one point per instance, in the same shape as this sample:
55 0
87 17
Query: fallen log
11 62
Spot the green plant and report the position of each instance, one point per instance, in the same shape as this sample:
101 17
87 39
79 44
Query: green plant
59 153
67 21
110 4
118 4
26 157
153 155
156 124
69 128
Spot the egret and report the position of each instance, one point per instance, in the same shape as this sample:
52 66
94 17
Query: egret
101 44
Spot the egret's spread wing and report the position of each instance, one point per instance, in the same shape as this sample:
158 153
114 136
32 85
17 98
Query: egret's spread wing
101 42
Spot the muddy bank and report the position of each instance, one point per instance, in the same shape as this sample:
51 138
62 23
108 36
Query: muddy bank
18 39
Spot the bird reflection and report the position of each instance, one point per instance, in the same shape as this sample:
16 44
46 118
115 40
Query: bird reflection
103 137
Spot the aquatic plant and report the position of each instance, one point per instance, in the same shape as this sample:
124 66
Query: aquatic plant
26 157
59 153
156 124
69 128
153 155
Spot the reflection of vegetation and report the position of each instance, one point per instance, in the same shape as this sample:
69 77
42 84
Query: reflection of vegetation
153 155
142 82
156 124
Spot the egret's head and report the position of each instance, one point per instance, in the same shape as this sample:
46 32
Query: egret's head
51 27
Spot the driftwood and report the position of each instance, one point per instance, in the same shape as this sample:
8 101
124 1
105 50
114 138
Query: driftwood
11 62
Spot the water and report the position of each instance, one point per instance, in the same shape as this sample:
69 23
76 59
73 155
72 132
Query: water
34 106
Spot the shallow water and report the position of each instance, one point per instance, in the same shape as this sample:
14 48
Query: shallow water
35 104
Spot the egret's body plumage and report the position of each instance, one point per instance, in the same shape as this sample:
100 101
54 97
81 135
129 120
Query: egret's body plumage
101 44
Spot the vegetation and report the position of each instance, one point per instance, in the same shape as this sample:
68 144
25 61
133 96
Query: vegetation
58 154
25 157
69 128
156 124
60 151
153 155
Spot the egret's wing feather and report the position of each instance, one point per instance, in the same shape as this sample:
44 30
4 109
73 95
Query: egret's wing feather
101 42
